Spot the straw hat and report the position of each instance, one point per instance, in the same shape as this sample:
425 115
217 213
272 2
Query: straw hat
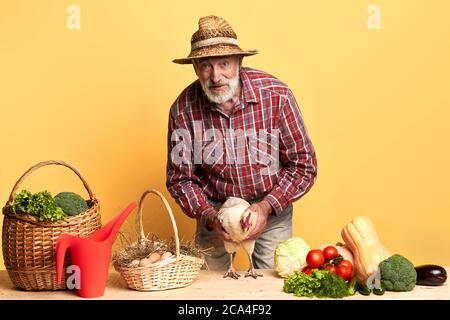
214 38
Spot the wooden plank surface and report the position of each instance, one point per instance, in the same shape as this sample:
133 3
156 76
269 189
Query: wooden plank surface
210 285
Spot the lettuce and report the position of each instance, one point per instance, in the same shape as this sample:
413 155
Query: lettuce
290 256
302 285
40 204
321 283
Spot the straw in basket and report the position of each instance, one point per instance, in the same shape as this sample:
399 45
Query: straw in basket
174 272
29 244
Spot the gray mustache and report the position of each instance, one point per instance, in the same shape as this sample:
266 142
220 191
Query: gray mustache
210 85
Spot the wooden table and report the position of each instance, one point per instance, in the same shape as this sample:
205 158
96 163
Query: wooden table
210 285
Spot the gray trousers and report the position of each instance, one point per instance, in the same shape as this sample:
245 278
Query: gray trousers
278 228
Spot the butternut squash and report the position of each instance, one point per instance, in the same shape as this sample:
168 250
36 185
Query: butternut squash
362 239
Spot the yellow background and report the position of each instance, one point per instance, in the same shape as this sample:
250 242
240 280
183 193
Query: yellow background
376 104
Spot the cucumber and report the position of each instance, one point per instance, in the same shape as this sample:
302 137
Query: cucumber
352 286
380 291
363 289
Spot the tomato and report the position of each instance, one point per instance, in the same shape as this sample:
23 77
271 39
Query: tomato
315 258
307 270
330 252
346 263
344 272
331 268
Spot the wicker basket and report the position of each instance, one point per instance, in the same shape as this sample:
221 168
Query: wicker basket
174 272
29 244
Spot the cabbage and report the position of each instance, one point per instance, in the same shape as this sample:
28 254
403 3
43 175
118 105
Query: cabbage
290 256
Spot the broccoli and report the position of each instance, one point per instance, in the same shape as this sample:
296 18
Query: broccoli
71 203
398 273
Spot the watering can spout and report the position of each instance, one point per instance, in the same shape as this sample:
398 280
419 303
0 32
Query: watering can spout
91 255
108 232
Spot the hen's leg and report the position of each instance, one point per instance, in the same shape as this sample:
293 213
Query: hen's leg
249 246
251 272
231 272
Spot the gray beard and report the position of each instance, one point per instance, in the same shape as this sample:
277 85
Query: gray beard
221 98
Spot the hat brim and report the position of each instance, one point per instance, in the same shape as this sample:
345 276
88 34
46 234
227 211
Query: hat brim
190 59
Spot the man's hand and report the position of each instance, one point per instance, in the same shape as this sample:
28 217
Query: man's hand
215 224
262 209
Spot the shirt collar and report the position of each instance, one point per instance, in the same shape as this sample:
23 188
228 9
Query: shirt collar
248 91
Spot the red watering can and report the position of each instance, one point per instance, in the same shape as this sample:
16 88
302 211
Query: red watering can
91 255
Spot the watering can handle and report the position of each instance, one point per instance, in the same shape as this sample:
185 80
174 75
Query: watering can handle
46 163
169 210
62 244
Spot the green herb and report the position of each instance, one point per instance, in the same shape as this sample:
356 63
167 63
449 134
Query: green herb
40 204
301 284
331 286
320 283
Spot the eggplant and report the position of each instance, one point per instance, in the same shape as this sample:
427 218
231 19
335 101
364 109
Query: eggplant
430 275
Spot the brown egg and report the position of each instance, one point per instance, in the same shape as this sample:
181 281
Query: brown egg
144 262
134 263
154 257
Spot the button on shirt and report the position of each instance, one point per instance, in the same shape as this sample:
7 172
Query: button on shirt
260 151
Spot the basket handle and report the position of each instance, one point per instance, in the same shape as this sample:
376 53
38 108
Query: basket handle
46 163
169 210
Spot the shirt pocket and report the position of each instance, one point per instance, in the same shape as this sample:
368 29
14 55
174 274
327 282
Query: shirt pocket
265 156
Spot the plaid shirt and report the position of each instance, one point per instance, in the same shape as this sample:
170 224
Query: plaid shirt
266 105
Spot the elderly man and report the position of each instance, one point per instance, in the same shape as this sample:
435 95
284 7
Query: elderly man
236 132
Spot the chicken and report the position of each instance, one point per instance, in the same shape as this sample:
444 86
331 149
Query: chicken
238 222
